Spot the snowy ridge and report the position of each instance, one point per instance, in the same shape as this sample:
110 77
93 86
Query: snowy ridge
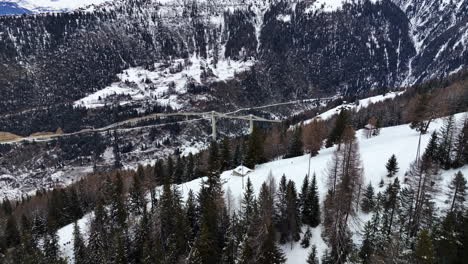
166 82
39 6
363 103
399 140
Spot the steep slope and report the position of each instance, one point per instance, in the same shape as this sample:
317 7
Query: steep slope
39 6
439 30
399 140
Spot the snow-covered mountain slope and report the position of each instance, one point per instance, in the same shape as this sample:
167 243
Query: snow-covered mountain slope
439 30
11 8
167 82
39 6
399 140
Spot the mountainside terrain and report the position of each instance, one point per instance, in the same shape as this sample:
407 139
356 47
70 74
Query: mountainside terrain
90 68
301 49
12 7
400 141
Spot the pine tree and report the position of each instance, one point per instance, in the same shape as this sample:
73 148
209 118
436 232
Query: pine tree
12 234
367 202
313 258
7 207
295 145
390 206
79 248
270 252
447 140
51 247
237 159
335 135
178 171
305 203
281 210
458 187
305 242
392 166
189 172
368 243
255 148
247 204
424 252
293 213
192 215
214 164
116 151
315 214
230 245
461 146
225 154
118 210
446 240
137 196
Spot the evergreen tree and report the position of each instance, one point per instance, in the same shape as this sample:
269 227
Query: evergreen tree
7 207
424 252
116 151
447 140
368 243
458 188
51 247
189 172
305 203
392 166
295 145
225 154
246 255
192 215
312 257
255 151
367 202
237 159
315 214
230 245
118 210
12 234
247 204
79 248
137 196
293 213
178 171
270 252
446 240
461 146
305 242
335 135
281 218
214 159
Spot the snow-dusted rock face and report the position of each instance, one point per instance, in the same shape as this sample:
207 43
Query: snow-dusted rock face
95 66
40 6
439 29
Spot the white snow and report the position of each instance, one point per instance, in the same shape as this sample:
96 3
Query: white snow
284 18
56 5
329 5
399 140
363 103
166 82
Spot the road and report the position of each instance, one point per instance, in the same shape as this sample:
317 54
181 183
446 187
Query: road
134 121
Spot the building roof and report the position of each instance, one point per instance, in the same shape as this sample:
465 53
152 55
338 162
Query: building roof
242 170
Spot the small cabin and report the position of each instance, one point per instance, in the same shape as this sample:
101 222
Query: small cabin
241 171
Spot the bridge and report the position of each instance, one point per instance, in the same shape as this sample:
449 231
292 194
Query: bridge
213 115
